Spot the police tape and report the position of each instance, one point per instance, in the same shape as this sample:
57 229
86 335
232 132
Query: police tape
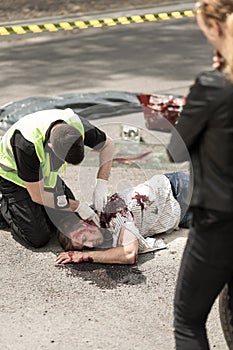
94 23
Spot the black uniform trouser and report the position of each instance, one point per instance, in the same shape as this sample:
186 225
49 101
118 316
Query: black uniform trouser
29 221
207 265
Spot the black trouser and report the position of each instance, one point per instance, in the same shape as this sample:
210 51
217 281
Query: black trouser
31 222
206 266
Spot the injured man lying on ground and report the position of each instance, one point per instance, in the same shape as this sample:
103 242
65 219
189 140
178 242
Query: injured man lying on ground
129 219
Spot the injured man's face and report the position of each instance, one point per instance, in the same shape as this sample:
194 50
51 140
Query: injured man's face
80 233
86 235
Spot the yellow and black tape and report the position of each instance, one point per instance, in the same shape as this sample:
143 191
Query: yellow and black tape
94 23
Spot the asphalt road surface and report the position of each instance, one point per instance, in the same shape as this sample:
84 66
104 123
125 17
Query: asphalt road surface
91 306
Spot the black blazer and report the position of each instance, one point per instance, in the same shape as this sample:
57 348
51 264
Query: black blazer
206 128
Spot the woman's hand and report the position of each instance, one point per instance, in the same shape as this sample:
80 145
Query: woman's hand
73 257
218 61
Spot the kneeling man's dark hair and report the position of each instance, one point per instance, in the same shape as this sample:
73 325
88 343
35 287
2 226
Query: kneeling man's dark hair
67 143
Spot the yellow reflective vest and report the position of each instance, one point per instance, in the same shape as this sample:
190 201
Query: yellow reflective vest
33 127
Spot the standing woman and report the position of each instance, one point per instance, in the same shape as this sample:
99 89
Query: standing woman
206 127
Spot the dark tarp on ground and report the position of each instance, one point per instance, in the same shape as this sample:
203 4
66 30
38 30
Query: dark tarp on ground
89 105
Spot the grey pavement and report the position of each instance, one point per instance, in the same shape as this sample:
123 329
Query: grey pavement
92 306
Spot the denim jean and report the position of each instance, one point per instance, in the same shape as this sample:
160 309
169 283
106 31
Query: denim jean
181 187
206 266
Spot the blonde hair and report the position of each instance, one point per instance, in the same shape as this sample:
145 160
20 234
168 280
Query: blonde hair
222 11
229 47
218 9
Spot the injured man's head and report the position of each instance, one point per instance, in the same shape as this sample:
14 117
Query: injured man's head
76 234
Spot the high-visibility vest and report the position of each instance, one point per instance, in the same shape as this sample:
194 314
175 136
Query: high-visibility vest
33 127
